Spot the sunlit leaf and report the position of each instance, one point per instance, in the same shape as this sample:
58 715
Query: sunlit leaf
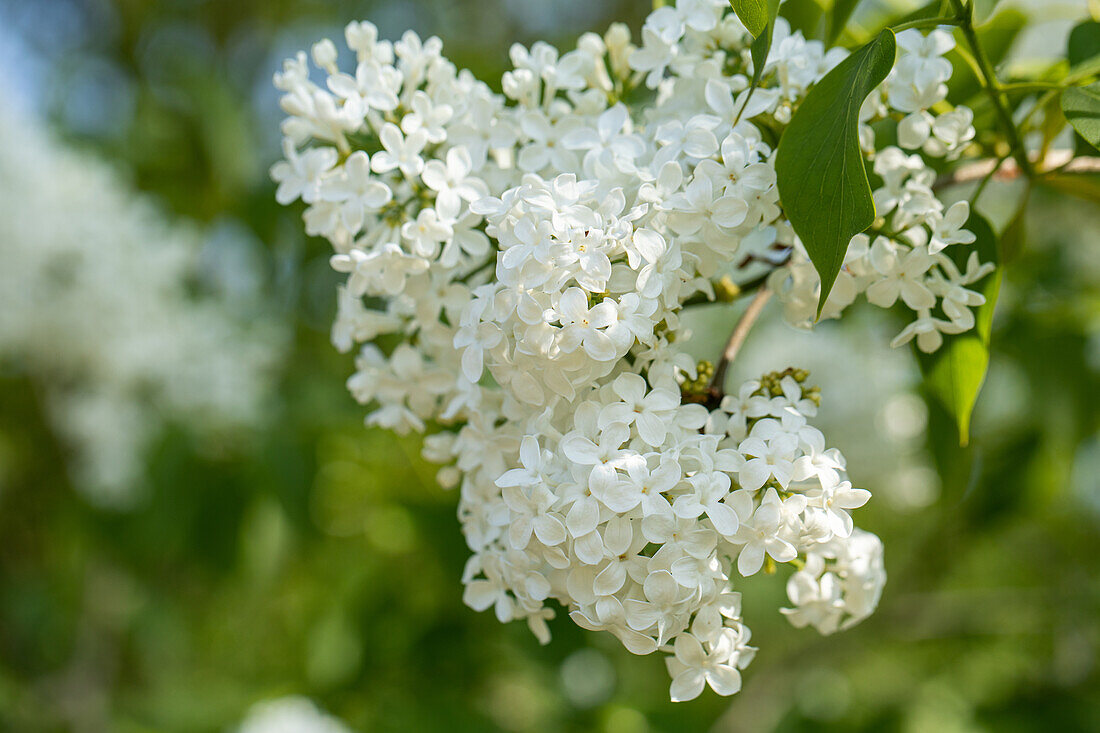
755 11
821 176
956 371
1081 106
754 14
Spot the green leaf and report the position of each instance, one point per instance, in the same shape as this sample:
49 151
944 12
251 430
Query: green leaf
955 372
838 18
1084 42
759 18
807 16
1083 50
982 9
754 14
1081 106
1014 236
761 45
821 176
1082 185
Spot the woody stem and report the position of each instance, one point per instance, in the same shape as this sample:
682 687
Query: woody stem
737 337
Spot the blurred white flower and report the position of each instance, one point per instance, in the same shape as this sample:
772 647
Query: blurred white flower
290 715
103 305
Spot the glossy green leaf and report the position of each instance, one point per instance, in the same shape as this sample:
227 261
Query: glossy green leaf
955 372
754 14
821 176
760 48
1081 106
761 45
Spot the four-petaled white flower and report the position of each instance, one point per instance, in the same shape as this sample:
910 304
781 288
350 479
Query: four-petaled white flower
399 151
693 667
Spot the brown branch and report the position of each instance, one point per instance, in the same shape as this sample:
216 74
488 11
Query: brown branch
737 338
1061 161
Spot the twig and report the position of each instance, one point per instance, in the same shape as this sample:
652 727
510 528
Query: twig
738 336
986 179
992 85
925 23
1061 161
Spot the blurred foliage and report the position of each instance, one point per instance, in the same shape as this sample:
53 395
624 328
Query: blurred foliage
321 559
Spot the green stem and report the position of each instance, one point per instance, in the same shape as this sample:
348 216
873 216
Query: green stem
986 179
992 86
1032 86
926 23
1043 102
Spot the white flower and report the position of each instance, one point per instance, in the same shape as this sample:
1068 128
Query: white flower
608 135
697 206
649 412
759 532
428 116
950 133
641 486
400 151
915 129
426 233
817 601
902 274
948 229
452 182
767 459
693 666
836 500
372 87
531 509
663 600
299 176
289 715
658 47
928 331
357 192
584 326
710 490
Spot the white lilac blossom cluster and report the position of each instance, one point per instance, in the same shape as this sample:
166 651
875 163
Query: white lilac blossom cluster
525 259
98 308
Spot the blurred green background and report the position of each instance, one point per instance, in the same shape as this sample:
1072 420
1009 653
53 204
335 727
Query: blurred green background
319 558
